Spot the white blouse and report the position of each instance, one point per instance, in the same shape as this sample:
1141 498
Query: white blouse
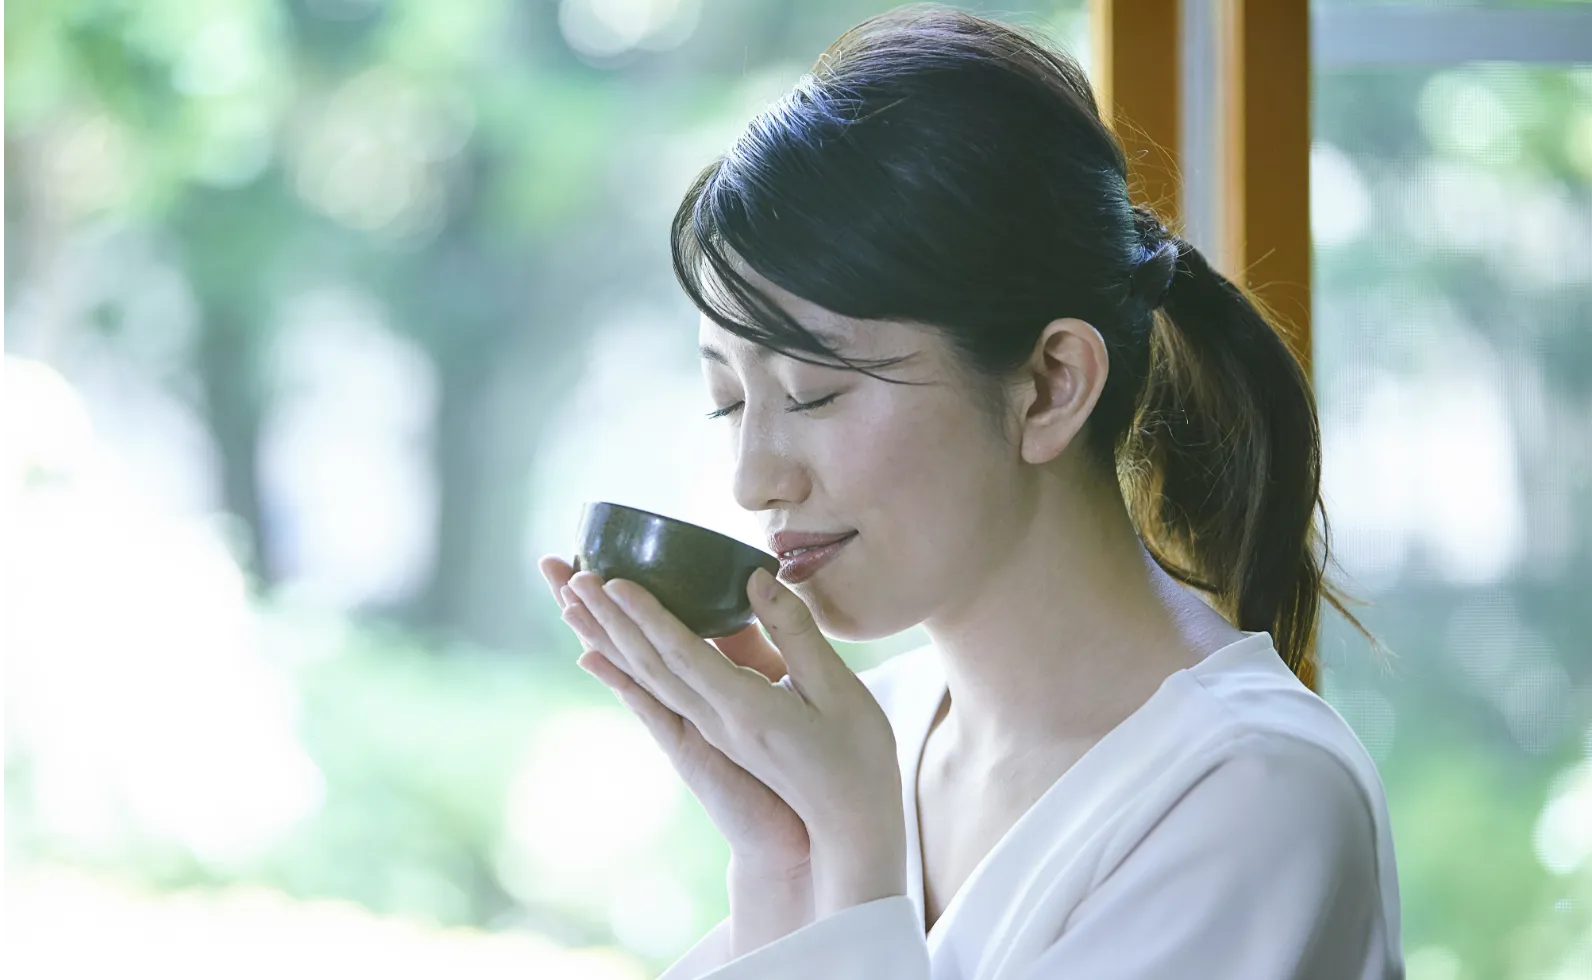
1232 827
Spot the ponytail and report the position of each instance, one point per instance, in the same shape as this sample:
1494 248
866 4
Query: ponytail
1222 463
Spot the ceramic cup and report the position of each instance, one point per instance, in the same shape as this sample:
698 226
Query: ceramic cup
699 575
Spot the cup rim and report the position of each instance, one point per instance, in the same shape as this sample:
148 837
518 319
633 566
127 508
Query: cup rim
682 523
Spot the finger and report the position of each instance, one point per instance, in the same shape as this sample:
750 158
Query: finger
750 648
633 651
591 633
680 740
581 623
810 659
557 572
666 727
723 686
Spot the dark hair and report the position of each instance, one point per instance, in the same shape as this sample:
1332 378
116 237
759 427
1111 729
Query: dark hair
945 169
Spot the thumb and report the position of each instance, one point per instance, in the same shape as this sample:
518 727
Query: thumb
809 658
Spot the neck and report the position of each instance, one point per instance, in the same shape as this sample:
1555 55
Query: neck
1072 628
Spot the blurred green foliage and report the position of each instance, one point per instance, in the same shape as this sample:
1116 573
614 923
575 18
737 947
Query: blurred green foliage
492 186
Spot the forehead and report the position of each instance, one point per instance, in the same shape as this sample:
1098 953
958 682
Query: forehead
849 336
827 324
807 313
718 345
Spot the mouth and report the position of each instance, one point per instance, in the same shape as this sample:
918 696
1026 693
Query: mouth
802 563
789 544
784 555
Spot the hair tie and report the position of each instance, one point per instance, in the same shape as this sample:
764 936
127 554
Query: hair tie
1151 278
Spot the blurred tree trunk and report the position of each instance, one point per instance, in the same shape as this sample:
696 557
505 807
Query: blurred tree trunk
499 323
494 403
232 243
234 401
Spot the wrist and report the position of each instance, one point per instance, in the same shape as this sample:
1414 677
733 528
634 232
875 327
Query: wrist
751 870
767 904
856 870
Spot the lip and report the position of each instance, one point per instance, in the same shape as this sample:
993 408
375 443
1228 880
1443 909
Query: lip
801 567
784 542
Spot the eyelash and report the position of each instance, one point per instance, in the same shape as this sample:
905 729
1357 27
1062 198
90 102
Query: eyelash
804 407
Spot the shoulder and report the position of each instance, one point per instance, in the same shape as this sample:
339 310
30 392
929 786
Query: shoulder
1270 815
1273 787
1270 725
1266 818
1276 840
1268 772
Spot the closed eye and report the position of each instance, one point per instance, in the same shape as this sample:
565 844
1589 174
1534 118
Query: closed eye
798 407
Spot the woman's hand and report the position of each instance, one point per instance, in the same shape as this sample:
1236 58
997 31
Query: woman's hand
767 839
817 738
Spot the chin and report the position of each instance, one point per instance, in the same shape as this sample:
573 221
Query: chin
853 619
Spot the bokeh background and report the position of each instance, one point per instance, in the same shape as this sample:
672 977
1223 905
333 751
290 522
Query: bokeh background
324 317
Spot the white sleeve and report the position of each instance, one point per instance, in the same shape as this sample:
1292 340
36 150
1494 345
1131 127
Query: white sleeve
1265 870
879 940
709 953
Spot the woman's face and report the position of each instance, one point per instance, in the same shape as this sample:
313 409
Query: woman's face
917 471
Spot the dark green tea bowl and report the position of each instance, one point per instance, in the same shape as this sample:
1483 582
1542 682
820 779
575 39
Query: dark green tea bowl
698 575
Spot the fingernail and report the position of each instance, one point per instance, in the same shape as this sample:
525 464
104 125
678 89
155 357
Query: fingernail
605 682
569 597
763 582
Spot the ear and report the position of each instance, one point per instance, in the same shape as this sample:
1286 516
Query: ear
1064 378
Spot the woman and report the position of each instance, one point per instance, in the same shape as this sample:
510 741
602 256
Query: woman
990 395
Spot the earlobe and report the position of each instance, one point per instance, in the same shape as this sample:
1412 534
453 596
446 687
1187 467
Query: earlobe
1068 371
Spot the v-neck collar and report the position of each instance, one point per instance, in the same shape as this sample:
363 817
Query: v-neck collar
930 695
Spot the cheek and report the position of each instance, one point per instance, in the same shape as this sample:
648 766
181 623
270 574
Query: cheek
889 462
919 485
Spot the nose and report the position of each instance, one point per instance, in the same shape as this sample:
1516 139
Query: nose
769 471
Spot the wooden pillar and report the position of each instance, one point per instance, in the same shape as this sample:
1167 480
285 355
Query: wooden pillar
1137 81
1264 57
1262 133
1265 195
